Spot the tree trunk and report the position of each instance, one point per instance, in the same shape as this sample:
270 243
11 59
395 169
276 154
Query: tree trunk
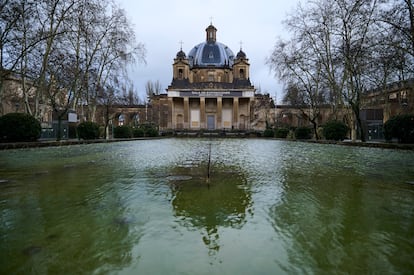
359 131
315 129
1 95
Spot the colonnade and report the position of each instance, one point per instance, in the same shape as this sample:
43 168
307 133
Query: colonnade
209 113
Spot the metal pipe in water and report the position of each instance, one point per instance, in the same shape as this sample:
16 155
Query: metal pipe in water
209 163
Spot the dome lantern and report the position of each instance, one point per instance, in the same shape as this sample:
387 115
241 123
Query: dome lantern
211 34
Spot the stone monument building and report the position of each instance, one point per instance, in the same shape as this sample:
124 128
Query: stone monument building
211 88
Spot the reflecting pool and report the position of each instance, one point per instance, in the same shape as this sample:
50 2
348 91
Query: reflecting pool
149 207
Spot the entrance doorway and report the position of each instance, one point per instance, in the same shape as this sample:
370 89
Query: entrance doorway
211 123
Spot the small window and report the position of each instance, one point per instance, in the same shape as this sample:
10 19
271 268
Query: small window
136 119
121 119
180 73
241 73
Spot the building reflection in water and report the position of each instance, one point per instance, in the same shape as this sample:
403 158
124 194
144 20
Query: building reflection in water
223 202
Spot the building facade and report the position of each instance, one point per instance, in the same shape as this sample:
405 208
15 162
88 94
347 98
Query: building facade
211 88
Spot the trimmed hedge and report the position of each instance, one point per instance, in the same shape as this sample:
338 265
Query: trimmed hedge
19 127
303 133
268 133
335 130
138 132
151 132
400 127
281 132
88 130
123 131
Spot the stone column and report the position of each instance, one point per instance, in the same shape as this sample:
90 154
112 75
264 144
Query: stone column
171 115
236 113
250 116
219 113
203 113
186 113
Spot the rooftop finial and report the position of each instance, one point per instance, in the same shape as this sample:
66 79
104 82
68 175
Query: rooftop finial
211 20
181 45
241 44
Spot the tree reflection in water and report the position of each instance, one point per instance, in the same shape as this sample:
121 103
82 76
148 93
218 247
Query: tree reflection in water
223 201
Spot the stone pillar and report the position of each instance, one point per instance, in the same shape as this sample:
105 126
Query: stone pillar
170 123
203 113
249 112
219 113
236 113
186 113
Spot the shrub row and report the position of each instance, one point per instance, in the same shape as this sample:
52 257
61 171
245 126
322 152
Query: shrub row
129 132
90 130
15 127
299 133
332 130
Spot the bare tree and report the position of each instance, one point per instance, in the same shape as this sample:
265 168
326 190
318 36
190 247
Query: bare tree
300 64
331 52
109 46
399 17
357 18
152 89
17 38
303 77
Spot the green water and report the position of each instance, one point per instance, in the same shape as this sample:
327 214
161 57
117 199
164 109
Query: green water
146 207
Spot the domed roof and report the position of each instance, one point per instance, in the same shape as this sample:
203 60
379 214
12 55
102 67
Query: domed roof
181 54
211 54
241 54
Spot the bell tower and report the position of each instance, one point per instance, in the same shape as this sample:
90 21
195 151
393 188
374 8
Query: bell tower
181 68
241 66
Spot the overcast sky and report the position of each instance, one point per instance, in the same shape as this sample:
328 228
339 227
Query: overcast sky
160 25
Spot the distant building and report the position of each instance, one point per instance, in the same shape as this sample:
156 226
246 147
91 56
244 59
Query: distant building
18 96
380 104
211 88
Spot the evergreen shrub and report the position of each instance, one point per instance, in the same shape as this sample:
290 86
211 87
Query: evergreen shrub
281 132
123 131
19 127
335 130
303 133
88 130
268 133
151 132
138 132
400 127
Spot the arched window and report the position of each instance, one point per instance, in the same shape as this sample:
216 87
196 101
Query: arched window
180 73
136 119
241 73
121 120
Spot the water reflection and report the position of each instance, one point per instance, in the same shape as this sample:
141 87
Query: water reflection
222 201
66 219
145 207
330 220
